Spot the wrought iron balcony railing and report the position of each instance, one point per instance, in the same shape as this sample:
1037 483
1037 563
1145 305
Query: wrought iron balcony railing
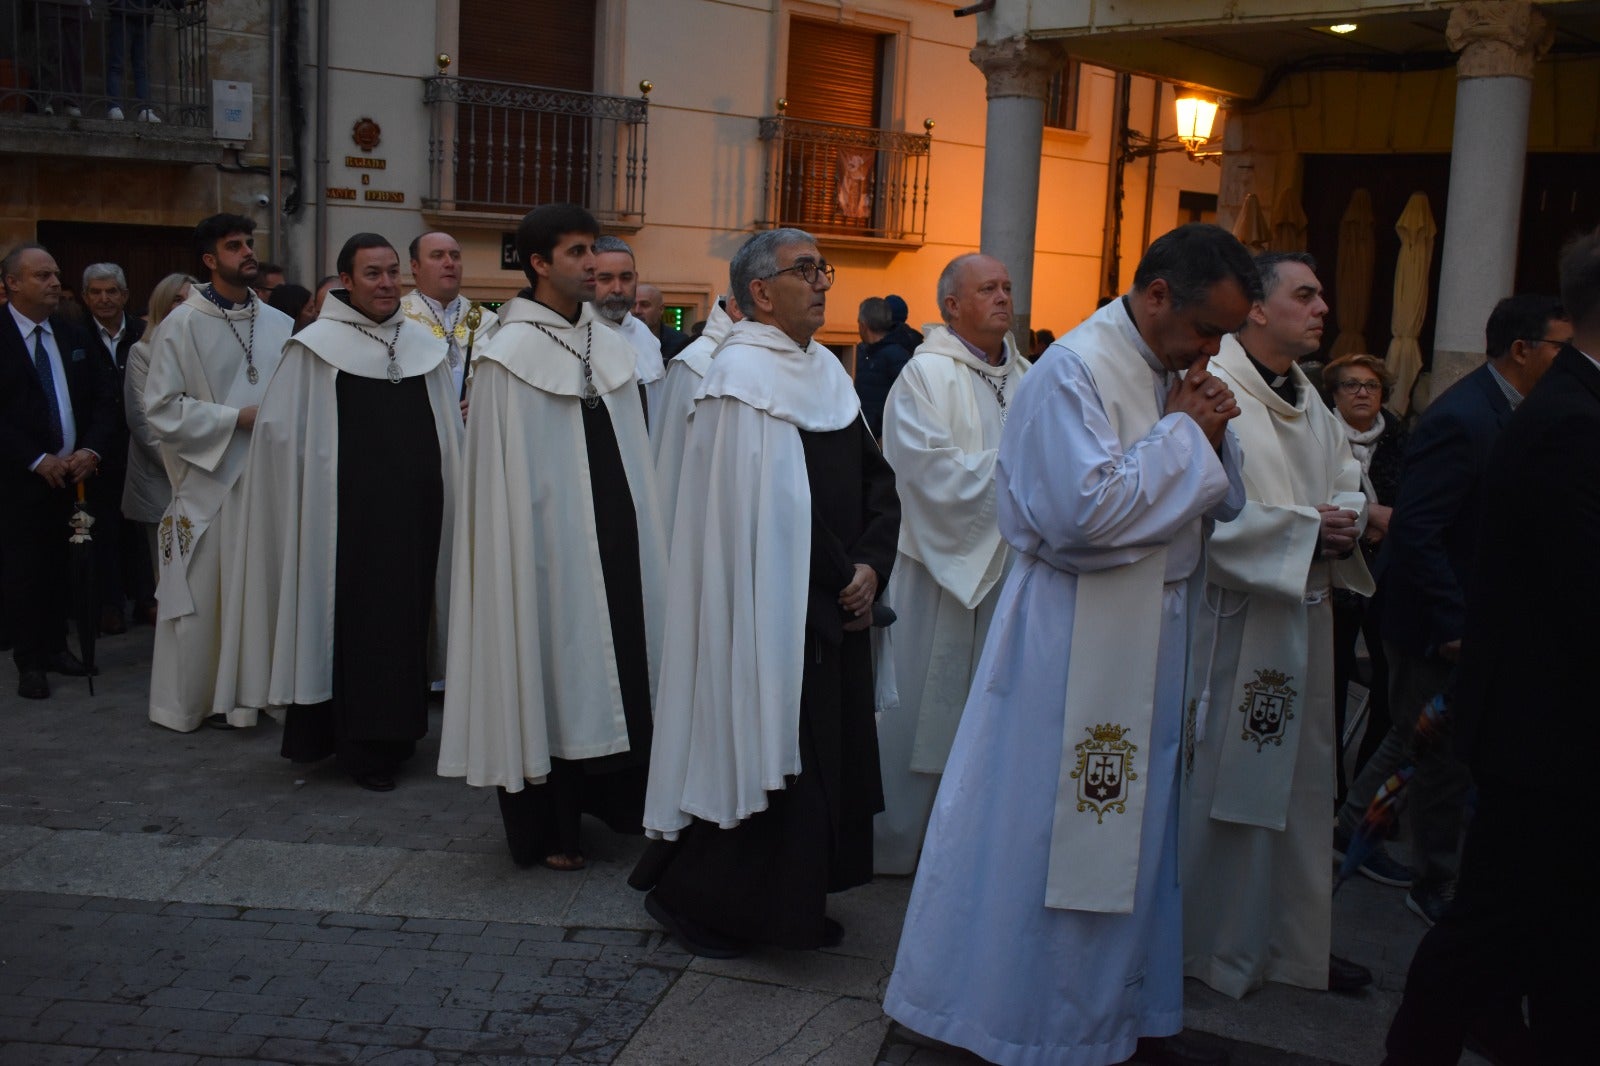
829 178
504 148
135 60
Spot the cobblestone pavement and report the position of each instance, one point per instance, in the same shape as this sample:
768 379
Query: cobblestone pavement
185 899
185 983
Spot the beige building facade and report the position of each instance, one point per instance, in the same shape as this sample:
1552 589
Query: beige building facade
864 122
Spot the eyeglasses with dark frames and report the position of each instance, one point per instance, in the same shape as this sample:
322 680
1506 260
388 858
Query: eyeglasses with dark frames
1351 388
808 270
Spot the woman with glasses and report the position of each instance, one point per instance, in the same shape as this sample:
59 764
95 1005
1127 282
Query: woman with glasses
1356 386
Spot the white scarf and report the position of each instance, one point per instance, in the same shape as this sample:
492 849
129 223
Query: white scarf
1362 441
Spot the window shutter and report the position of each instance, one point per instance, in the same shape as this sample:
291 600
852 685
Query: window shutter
546 42
834 73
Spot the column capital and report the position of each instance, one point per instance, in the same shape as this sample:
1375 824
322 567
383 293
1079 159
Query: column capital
1018 66
1498 38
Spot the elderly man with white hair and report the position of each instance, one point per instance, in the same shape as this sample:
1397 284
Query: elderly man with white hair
122 570
941 434
616 289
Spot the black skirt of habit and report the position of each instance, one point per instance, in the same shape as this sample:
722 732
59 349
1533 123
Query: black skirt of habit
390 500
766 880
543 820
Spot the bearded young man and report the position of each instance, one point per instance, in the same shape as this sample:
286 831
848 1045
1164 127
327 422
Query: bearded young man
208 371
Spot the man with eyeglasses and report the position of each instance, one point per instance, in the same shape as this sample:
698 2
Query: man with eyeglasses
1422 570
1258 764
764 773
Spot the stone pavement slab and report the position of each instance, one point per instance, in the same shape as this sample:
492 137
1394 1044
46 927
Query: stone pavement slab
195 898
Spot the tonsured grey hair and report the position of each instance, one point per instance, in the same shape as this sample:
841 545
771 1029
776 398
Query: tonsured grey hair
105 272
947 281
758 258
613 244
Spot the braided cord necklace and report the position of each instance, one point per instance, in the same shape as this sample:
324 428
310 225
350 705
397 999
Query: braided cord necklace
394 368
999 390
591 397
250 371
448 330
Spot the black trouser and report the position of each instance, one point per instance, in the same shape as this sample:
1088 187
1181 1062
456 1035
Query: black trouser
33 569
1522 925
1353 615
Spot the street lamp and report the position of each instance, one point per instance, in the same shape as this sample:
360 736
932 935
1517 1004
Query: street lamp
1196 117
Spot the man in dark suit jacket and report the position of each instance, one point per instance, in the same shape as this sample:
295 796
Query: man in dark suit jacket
122 563
1422 580
58 416
1523 920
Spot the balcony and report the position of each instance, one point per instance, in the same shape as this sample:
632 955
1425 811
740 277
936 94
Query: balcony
851 186
498 149
126 79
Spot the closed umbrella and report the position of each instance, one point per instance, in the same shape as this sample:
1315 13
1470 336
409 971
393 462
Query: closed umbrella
1289 222
80 582
1354 275
1404 357
1251 226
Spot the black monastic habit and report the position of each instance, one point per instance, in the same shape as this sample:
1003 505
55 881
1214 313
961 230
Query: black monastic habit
543 820
391 506
766 880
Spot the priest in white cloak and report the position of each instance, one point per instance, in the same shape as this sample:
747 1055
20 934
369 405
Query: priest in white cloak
616 290
1043 925
555 623
764 778
670 421
437 305
335 607
941 434
1259 754
209 368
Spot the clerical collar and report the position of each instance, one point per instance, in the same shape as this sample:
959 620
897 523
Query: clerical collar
209 291
1513 397
1586 355
1281 384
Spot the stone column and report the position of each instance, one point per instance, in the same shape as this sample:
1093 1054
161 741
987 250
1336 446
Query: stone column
1018 72
1499 41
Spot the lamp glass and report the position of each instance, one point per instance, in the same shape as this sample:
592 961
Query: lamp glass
1196 115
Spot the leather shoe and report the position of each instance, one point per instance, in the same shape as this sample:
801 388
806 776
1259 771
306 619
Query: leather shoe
376 782
1347 976
1180 1049
33 685
111 622
68 665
